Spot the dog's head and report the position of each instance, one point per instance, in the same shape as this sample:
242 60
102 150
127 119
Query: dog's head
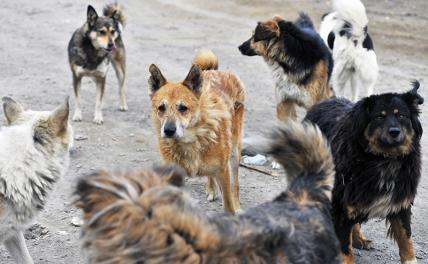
388 124
264 35
175 104
47 127
102 30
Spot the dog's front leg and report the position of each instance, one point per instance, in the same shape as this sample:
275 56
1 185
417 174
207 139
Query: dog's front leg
343 229
401 232
98 116
223 181
17 248
77 83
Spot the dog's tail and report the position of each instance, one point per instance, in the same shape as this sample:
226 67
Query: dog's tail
304 153
353 12
304 21
116 12
206 60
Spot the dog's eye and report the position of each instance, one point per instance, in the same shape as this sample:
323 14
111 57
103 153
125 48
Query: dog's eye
182 108
112 32
381 117
402 116
162 108
103 32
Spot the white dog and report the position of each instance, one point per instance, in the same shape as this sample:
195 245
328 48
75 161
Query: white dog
345 32
34 154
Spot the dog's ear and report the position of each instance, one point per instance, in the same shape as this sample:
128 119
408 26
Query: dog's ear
413 99
58 119
173 174
193 79
156 79
12 109
115 16
92 16
360 116
266 30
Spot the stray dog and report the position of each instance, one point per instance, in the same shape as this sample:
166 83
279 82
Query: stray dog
345 32
376 149
300 62
90 50
199 124
145 216
34 154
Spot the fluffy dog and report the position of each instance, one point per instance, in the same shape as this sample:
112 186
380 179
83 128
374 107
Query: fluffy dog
376 149
199 124
144 216
345 32
300 62
90 51
34 154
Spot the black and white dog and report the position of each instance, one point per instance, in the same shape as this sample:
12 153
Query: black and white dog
344 30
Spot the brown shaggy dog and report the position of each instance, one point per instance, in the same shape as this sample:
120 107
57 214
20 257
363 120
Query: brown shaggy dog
145 217
199 124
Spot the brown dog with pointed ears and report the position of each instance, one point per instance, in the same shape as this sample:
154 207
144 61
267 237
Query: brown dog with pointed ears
199 124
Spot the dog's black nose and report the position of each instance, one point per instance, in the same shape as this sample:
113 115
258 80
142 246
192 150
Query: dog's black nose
110 45
394 131
169 129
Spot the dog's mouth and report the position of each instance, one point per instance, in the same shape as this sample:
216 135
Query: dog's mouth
111 47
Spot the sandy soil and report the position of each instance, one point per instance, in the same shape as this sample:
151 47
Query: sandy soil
34 69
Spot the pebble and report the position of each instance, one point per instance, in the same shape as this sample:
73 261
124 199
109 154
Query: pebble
76 221
80 137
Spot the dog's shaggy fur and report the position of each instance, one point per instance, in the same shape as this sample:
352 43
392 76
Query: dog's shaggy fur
90 51
376 148
345 32
34 154
199 124
300 62
145 217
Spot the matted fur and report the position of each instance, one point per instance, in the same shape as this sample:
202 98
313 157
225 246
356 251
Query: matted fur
145 217
377 174
206 136
300 62
34 154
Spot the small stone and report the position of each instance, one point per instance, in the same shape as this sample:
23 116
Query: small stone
80 137
76 221
62 232
132 135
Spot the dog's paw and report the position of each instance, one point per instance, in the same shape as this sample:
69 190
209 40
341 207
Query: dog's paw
98 120
123 108
211 196
363 244
412 261
77 117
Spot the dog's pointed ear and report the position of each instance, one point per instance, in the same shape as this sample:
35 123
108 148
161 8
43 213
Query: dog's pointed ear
193 79
92 16
12 109
156 79
115 16
58 119
266 30
173 174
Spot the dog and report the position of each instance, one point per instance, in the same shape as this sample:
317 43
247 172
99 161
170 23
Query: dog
199 124
90 51
33 156
300 62
345 32
145 216
376 149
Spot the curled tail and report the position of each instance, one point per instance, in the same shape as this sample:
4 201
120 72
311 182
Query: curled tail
352 12
304 153
116 12
304 21
206 60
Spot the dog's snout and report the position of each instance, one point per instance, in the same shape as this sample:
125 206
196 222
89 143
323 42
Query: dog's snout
394 132
245 48
170 129
110 44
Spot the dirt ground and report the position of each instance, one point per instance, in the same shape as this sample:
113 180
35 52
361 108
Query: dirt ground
34 70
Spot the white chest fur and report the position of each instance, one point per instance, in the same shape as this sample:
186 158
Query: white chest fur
100 71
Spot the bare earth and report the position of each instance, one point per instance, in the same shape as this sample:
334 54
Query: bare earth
34 69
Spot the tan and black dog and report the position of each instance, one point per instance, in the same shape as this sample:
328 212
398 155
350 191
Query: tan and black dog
90 51
145 216
300 62
199 124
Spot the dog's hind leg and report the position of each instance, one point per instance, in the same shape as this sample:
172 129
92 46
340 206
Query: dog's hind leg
286 109
98 116
77 83
17 248
400 231
223 180
119 66
238 119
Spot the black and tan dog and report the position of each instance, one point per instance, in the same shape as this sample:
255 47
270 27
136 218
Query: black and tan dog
300 62
376 149
145 216
90 51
